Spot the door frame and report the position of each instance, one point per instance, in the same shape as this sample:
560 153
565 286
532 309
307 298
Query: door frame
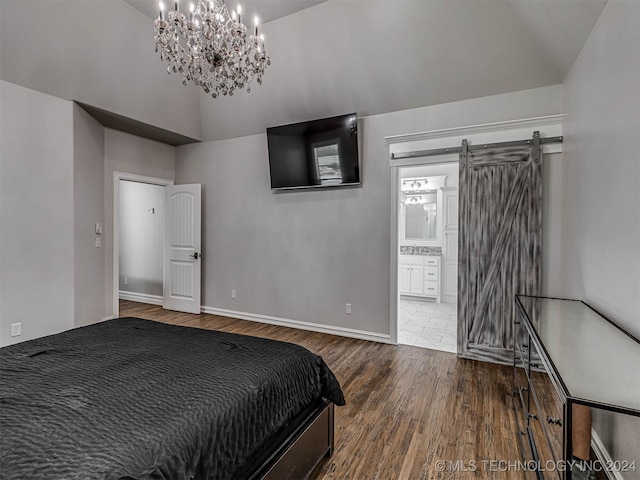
549 126
395 227
117 176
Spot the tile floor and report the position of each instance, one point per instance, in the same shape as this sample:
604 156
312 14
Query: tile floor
427 324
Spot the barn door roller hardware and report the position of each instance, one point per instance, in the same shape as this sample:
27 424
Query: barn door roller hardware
536 142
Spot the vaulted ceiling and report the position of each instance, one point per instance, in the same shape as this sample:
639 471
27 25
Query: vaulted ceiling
373 57
266 9
328 57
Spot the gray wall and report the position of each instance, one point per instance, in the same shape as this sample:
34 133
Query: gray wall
88 203
128 154
601 198
551 224
57 167
36 231
97 52
141 237
303 255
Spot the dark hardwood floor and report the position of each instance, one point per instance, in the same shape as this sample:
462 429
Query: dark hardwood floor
408 409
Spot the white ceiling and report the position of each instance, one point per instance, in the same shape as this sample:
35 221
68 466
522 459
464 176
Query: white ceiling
267 10
378 56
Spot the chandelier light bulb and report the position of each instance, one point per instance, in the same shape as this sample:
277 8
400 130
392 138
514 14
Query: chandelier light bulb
211 47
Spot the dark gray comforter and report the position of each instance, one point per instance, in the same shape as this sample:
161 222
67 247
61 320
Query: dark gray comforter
136 399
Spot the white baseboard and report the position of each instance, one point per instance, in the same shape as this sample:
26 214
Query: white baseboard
603 456
312 327
140 297
110 317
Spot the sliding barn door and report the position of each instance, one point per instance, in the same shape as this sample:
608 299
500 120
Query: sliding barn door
500 245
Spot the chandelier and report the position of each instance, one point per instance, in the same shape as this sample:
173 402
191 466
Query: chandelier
211 47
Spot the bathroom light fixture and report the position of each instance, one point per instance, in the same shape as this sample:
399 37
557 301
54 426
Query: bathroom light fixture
417 184
416 199
210 47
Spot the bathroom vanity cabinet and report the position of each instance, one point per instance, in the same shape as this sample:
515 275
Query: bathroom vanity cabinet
420 275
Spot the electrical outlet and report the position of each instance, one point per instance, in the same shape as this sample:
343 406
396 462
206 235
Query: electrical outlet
126 280
233 294
16 329
348 309
98 242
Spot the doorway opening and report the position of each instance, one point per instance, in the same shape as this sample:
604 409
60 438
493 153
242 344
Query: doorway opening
141 237
138 238
428 256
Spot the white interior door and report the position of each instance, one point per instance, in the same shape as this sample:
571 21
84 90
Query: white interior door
183 242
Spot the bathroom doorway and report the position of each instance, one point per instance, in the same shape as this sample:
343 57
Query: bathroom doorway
428 256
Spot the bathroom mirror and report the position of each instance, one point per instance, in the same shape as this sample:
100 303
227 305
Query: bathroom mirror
420 221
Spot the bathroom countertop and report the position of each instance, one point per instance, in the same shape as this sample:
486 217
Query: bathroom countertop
414 250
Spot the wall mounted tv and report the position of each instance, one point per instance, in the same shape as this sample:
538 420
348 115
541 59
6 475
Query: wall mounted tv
319 153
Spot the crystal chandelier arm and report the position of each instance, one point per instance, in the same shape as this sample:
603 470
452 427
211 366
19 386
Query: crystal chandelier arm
211 49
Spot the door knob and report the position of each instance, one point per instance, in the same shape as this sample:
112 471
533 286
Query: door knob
195 256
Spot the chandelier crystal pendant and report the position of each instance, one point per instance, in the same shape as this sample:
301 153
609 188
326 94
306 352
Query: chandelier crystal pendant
211 47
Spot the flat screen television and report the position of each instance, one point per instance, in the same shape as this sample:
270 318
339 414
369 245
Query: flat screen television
319 153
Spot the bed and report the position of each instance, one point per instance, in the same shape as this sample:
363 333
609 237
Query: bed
137 399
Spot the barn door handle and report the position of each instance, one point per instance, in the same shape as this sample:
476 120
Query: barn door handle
195 256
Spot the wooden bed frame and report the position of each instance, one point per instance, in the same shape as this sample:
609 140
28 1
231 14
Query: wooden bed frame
291 454
299 448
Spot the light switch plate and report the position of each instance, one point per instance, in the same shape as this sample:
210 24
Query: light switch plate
16 329
98 229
